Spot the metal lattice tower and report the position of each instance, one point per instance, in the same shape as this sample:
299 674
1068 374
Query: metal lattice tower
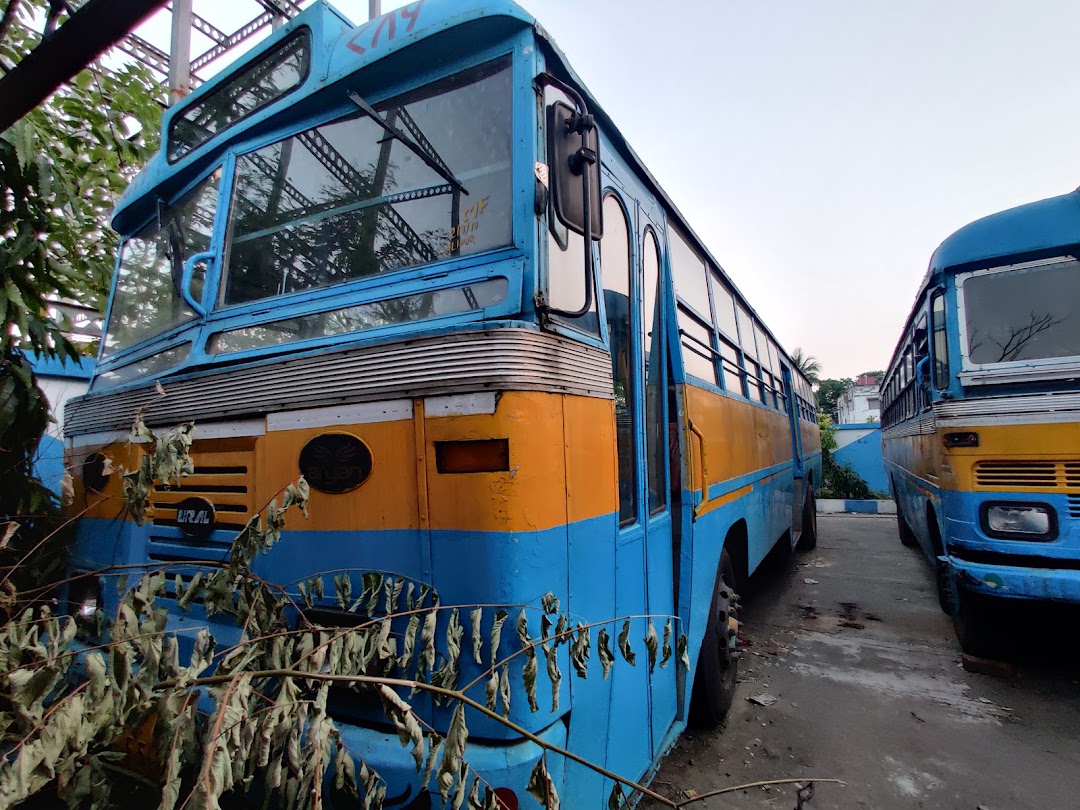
184 70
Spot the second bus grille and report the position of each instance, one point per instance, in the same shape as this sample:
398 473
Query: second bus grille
1019 474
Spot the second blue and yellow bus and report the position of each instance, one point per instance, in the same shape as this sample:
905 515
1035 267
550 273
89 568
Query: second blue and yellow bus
361 255
981 422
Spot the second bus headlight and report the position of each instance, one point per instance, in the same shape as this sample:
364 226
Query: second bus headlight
1012 519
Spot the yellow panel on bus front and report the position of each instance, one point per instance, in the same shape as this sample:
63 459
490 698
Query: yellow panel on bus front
740 438
386 499
538 461
1040 457
560 464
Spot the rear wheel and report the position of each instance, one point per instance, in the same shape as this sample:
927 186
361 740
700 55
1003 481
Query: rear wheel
808 538
717 667
907 536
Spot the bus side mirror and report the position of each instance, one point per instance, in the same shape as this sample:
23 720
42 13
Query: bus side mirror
573 154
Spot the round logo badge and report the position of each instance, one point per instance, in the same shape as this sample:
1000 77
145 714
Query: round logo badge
195 517
335 463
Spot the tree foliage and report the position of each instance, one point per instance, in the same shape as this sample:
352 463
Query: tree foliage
61 169
829 393
807 364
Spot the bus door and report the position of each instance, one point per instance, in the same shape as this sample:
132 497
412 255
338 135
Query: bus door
662 546
643 579
797 453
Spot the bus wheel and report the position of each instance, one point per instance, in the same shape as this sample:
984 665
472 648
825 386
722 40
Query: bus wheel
808 539
942 572
981 625
907 536
717 667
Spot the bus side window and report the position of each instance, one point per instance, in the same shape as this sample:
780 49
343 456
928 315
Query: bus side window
615 269
655 428
941 341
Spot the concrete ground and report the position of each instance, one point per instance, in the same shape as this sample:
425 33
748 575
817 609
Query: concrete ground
866 674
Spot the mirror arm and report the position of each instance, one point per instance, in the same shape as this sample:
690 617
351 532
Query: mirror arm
582 123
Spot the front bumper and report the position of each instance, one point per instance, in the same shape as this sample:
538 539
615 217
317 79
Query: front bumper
499 765
1017 581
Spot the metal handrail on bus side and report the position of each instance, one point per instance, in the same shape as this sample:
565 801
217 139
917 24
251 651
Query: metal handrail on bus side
700 508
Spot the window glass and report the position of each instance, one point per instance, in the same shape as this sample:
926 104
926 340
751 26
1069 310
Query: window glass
655 426
746 332
247 91
688 270
346 200
763 346
733 374
1023 313
774 357
615 267
147 301
753 373
696 343
725 307
941 342
469 298
152 364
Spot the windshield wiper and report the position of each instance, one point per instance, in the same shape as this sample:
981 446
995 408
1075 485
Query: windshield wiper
420 152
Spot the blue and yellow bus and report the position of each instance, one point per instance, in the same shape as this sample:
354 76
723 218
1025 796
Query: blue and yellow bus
361 255
981 421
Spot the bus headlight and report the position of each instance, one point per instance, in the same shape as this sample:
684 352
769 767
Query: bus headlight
1023 521
85 604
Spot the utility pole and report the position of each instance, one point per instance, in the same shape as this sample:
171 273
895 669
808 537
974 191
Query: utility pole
374 9
180 51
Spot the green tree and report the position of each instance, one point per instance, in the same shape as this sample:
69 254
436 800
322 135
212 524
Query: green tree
807 364
829 393
61 169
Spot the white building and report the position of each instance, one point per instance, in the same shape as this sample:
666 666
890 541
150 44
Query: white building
861 403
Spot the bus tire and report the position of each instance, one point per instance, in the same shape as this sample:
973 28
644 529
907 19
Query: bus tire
808 538
942 572
907 536
717 666
980 625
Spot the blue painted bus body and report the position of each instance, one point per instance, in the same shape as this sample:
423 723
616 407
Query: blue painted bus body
998 433
598 569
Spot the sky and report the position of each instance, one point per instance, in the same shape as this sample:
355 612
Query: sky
822 150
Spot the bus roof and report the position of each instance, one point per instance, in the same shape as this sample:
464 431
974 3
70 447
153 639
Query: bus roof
1027 230
338 50
1030 231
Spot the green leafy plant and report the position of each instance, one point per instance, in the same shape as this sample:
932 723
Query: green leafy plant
839 480
61 169
72 711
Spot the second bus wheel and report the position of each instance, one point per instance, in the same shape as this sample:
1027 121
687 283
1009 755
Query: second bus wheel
983 625
808 538
717 666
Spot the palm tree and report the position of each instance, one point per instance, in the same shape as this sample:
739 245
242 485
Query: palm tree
807 364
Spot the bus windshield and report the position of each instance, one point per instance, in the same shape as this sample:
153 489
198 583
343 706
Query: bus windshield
336 203
348 200
147 301
1023 313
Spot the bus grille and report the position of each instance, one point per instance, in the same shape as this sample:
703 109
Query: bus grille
220 477
1027 474
1074 506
